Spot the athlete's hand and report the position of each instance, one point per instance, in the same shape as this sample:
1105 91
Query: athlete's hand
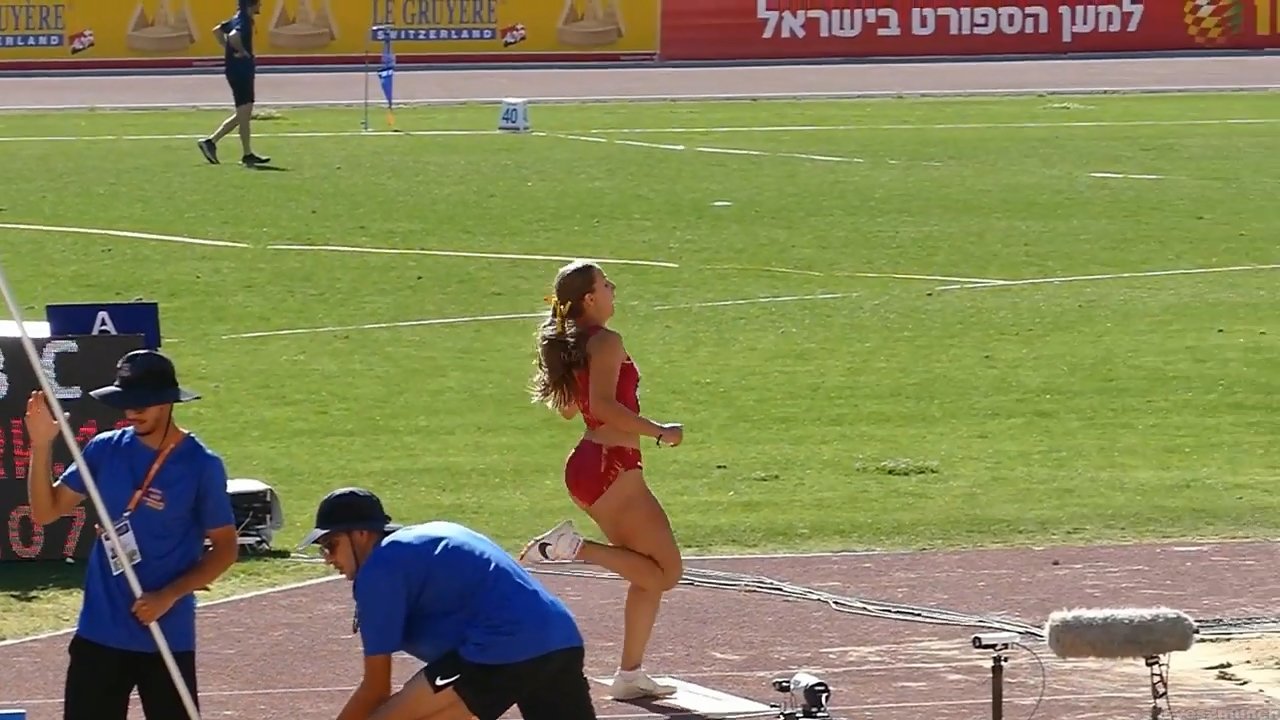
41 426
153 605
672 434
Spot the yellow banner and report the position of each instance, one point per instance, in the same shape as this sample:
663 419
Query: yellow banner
155 29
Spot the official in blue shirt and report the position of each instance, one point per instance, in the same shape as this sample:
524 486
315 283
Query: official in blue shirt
492 636
236 38
166 492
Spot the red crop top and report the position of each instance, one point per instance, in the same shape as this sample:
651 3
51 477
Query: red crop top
627 393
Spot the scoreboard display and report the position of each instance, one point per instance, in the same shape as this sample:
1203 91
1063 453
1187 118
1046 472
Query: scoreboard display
74 365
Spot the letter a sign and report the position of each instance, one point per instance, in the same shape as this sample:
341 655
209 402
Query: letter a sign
103 324
128 318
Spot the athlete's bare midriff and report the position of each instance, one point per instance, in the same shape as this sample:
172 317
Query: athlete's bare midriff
610 437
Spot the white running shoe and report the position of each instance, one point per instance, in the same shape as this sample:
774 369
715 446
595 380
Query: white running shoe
635 684
561 542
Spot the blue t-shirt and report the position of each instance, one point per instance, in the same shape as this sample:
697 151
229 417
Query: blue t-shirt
438 587
187 497
242 21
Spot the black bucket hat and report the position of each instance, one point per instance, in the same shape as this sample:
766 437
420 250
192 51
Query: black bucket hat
349 508
143 378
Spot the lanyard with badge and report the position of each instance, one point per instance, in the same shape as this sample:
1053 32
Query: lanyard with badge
124 530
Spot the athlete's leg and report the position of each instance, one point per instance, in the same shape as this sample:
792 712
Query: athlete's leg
643 549
562 692
419 699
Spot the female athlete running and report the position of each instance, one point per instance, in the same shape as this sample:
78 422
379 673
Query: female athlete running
582 367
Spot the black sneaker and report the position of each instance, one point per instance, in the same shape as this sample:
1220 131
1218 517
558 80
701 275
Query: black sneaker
253 159
210 150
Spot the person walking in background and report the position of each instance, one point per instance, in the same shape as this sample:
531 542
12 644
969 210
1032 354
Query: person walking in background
236 38
583 367
165 492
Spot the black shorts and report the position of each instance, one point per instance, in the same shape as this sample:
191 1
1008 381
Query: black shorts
548 687
241 83
100 680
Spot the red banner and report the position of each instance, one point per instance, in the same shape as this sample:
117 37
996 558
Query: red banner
778 29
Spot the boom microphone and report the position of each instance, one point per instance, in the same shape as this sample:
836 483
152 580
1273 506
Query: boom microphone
1118 632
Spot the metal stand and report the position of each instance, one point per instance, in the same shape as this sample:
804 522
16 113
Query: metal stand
811 703
365 124
998 661
1159 684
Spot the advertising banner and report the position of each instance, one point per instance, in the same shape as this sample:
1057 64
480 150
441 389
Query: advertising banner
797 29
38 34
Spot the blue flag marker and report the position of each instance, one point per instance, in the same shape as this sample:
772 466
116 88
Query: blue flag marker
386 75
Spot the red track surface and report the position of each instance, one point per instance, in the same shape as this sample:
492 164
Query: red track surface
289 654
542 85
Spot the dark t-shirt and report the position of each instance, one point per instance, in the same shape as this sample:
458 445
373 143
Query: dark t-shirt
242 21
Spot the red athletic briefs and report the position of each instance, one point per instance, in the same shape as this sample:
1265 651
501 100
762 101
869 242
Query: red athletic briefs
592 468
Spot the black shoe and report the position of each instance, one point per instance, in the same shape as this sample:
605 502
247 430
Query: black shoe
210 150
251 159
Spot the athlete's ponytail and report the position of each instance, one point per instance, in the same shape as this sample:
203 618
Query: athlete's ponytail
561 342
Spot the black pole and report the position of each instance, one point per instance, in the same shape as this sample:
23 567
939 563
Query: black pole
997 687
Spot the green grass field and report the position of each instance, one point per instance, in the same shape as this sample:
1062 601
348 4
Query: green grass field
892 415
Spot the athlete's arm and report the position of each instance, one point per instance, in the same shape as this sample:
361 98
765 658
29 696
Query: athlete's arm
373 691
570 411
605 354
220 32
381 606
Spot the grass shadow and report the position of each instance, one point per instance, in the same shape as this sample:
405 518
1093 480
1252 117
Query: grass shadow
26 581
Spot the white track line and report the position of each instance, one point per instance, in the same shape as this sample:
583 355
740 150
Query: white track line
1174 545
456 253
509 316
122 233
869 706
1107 276
200 606
459 99
606 131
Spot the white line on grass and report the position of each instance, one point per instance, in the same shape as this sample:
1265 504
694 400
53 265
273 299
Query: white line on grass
839 273
1125 176
458 253
513 316
1107 276
705 149
749 301
313 134
906 276
122 233
377 326
941 126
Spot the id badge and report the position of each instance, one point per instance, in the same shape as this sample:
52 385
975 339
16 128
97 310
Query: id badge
124 531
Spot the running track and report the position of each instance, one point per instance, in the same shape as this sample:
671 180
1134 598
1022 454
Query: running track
289 655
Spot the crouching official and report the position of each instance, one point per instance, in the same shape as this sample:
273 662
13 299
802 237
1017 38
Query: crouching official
492 636
166 492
